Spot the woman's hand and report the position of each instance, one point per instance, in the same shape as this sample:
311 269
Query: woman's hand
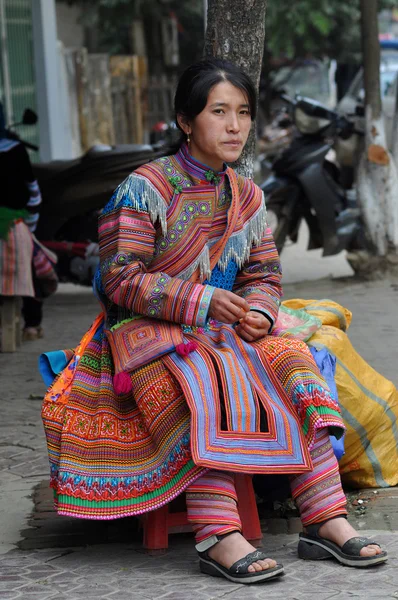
227 307
253 326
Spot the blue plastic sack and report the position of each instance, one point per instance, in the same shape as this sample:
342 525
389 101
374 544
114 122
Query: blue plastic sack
326 363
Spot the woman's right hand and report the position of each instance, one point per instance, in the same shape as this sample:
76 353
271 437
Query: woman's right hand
227 307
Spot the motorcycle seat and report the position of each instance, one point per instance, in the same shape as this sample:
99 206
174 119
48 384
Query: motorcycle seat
100 150
44 171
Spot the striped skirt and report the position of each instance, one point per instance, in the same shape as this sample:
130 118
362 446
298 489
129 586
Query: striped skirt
16 262
229 405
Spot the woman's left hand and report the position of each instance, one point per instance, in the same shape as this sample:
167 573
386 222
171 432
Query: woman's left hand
253 326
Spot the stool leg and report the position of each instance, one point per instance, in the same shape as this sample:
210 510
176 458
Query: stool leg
248 512
156 534
8 323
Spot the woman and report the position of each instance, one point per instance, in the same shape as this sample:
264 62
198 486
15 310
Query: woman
26 267
197 387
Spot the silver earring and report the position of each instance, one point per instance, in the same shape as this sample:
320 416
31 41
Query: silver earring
188 138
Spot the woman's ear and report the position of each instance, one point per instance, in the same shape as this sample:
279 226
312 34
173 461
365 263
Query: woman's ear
184 124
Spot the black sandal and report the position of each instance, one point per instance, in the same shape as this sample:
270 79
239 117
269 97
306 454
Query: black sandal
238 573
314 547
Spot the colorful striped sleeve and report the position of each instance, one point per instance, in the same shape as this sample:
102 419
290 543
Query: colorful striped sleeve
259 281
33 204
34 194
127 243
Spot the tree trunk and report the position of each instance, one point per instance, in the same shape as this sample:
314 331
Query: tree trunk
394 149
371 55
236 32
377 174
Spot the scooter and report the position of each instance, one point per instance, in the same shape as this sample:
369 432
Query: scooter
306 184
73 194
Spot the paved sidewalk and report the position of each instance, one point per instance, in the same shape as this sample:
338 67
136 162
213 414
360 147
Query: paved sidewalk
43 556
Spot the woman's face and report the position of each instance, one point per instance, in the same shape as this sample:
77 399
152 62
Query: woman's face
219 133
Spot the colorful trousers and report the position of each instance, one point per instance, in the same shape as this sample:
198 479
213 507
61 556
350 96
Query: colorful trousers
212 502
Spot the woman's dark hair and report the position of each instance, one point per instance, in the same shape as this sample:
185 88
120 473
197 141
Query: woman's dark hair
197 81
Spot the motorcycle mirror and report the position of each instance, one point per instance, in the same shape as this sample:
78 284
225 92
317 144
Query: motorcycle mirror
360 110
29 117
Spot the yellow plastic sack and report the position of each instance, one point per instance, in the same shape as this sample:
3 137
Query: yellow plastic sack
368 401
329 312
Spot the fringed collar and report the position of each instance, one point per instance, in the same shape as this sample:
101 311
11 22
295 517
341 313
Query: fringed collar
199 172
149 189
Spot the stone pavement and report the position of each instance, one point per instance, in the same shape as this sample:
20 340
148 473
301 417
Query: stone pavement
43 556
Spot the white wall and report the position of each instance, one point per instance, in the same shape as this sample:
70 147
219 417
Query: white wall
55 137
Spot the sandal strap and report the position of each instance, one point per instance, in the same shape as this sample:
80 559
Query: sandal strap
315 527
211 541
242 565
354 546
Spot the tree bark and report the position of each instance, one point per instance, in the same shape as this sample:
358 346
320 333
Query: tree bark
236 32
394 149
371 55
377 174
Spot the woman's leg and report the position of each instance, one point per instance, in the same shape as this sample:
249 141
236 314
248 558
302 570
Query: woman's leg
212 510
320 497
318 493
212 505
32 311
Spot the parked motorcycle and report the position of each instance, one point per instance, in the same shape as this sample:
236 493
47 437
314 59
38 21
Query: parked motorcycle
73 194
305 184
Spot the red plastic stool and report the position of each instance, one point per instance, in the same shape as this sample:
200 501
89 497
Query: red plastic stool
159 523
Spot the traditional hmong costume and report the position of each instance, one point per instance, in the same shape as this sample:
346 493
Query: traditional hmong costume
16 245
182 397
26 267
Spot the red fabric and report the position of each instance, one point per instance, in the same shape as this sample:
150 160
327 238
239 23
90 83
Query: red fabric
122 383
185 349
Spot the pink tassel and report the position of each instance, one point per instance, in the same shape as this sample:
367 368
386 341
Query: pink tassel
122 383
185 349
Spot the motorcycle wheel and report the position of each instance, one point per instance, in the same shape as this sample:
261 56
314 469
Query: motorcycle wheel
278 223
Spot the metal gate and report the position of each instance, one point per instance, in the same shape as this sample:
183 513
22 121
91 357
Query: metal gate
17 81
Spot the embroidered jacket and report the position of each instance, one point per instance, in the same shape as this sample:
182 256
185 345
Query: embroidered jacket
158 233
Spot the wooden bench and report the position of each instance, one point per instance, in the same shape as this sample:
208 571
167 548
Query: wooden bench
10 319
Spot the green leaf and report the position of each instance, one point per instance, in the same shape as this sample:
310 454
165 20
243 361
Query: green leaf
321 22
